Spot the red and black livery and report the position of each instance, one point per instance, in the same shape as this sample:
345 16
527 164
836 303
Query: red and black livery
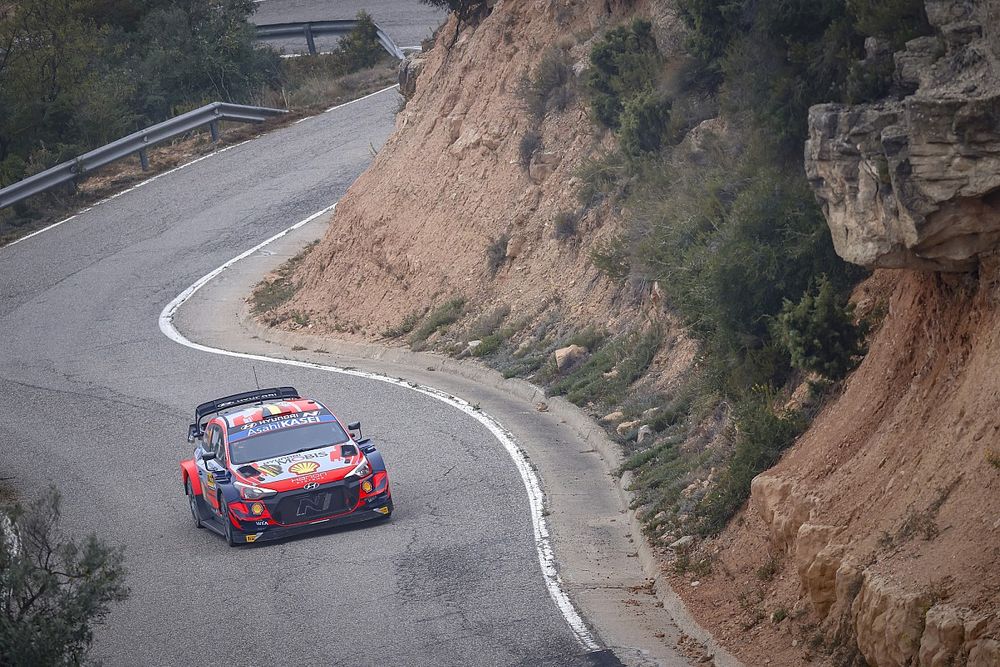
269 464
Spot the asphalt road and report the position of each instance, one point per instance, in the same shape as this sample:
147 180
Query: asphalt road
97 402
408 22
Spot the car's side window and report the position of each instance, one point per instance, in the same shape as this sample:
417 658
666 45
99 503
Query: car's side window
221 451
212 439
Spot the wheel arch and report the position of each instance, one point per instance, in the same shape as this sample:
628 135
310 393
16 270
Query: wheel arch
189 473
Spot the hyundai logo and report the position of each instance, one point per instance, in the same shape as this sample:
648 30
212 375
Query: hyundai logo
311 485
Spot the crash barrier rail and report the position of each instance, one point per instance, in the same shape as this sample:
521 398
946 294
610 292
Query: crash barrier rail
309 29
136 143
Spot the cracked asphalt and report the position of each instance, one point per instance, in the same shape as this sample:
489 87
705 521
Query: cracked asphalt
98 401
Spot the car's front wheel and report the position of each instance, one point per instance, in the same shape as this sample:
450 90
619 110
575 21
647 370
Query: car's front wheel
194 503
232 537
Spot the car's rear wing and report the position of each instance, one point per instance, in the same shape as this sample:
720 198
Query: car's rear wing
247 397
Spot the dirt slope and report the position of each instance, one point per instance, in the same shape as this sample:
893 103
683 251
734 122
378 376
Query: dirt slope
414 230
892 491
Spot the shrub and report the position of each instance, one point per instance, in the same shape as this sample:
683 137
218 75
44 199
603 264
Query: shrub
496 253
819 332
624 63
564 226
54 589
611 258
404 327
628 355
551 85
761 437
447 313
360 47
278 289
601 177
643 123
531 142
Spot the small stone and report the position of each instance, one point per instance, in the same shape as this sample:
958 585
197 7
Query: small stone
682 543
695 584
625 427
542 407
646 434
795 642
568 356
612 417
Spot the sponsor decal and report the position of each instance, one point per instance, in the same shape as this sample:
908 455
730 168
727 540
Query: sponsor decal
382 510
268 469
316 477
310 486
315 503
210 480
304 467
366 486
263 522
292 458
284 421
257 509
252 538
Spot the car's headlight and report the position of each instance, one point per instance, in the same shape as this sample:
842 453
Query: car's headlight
250 492
362 471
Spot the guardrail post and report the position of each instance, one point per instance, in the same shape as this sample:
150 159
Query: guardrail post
309 39
213 128
144 159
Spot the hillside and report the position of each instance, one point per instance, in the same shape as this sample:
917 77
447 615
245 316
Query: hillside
653 279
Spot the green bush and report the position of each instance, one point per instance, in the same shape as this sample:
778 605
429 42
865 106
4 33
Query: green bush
819 332
551 85
624 63
54 589
447 313
761 437
644 120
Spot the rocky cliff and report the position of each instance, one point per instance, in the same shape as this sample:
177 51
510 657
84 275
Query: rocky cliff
915 182
877 534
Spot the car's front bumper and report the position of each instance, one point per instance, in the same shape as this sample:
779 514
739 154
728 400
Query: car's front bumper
381 508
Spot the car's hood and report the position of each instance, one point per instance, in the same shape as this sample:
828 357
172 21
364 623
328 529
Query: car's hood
293 471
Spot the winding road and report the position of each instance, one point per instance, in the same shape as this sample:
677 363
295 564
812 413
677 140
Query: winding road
97 401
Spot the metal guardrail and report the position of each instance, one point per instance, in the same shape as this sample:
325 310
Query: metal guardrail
137 142
309 29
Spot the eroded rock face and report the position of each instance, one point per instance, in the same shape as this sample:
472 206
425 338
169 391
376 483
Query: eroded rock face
915 182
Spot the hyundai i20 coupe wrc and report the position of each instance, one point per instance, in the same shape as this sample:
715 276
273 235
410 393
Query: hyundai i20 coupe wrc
270 464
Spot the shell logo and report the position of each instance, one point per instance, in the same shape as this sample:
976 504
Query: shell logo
304 467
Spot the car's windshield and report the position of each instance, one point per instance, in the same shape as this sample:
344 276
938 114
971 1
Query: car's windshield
284 441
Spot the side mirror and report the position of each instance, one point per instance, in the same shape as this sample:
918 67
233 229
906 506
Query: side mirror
194 432
208 456
355 426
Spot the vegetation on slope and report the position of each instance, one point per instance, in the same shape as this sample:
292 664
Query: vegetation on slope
734 236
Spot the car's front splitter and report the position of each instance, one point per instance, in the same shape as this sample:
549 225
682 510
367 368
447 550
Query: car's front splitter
251 534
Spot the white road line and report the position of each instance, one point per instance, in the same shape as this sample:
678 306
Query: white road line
178 168
543 545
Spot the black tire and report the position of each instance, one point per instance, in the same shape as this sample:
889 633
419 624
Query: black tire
194 503
232 535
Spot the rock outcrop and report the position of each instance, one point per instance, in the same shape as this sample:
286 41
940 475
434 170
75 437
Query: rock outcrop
915 182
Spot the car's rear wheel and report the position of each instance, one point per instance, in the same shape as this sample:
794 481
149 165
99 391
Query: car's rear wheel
194 503
231 533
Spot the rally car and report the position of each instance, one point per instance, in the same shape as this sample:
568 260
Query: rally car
269 464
